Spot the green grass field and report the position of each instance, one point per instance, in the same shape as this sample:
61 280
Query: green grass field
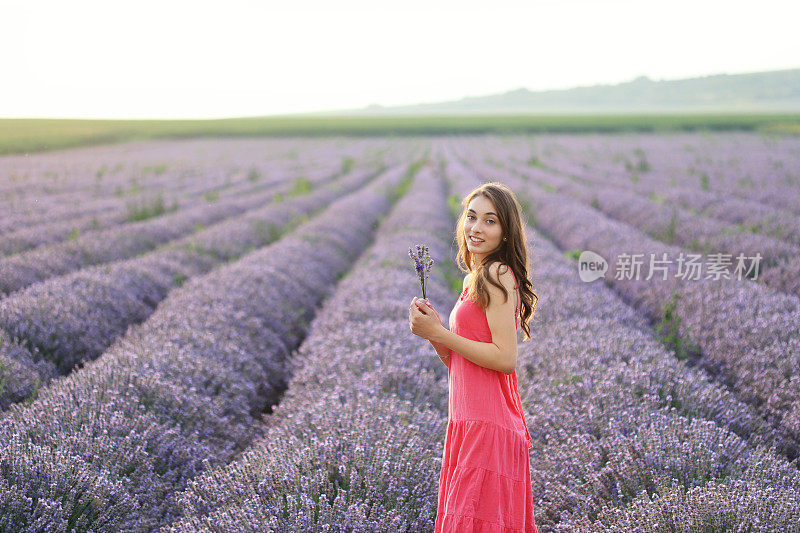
36 135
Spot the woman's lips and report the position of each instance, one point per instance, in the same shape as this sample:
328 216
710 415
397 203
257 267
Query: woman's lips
474 242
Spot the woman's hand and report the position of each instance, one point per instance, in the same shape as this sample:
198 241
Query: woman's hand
423 319
425 301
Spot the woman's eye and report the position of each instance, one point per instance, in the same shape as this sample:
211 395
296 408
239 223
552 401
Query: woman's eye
490 220
470 217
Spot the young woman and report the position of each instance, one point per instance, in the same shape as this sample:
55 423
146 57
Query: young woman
485 482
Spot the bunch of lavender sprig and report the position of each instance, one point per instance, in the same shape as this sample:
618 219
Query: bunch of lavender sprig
422 263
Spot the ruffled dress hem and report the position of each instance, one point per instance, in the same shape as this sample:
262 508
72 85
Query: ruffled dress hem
451 522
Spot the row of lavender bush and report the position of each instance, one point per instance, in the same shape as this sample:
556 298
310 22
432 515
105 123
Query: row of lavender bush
657 181
98 211
107 447
65 320
745 214
99 182
659 184
200 191
128 240
356 442
737 164
779 260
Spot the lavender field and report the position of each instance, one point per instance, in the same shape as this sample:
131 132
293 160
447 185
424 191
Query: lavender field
212 334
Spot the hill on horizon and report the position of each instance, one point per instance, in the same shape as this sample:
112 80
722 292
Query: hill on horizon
770 91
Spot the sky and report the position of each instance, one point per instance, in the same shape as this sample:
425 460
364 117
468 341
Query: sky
178 59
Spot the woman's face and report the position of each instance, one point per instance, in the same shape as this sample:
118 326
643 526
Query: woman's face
482 227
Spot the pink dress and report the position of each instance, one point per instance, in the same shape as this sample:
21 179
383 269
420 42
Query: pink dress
485 482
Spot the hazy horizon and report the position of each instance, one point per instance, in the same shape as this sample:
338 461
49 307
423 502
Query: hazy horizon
89 59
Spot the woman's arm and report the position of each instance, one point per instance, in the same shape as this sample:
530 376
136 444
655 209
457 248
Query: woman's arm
486 354
501 353
443 352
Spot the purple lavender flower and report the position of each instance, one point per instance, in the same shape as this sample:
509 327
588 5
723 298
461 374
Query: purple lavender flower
422 263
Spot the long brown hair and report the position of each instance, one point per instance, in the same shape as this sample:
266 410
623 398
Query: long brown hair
512 252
